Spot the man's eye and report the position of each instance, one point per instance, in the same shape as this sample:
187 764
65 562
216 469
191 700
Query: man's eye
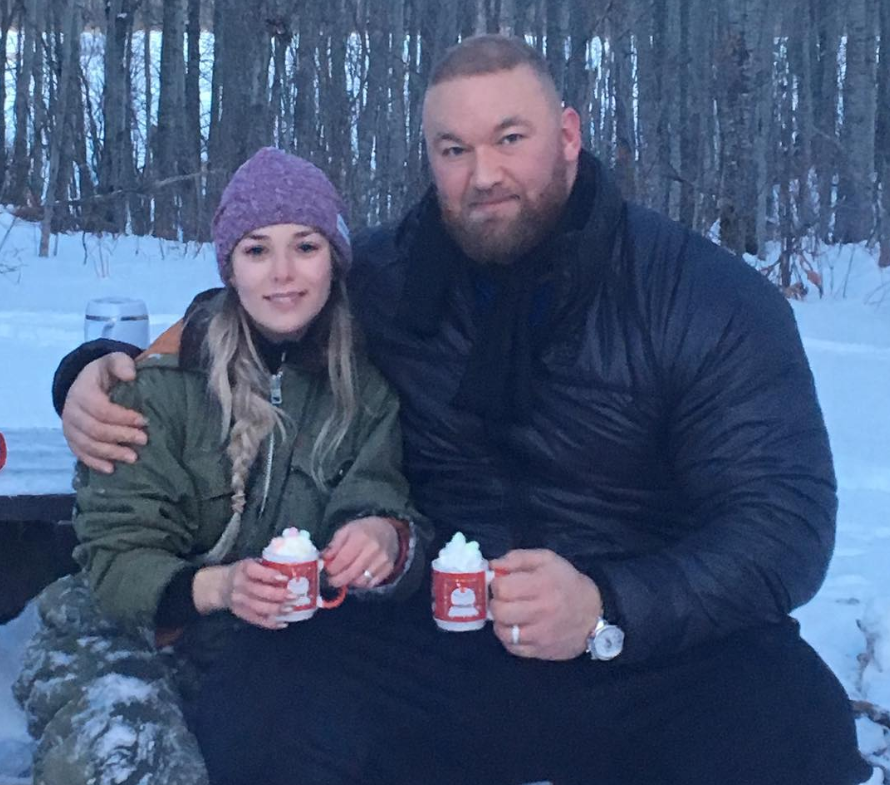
452 152
511 139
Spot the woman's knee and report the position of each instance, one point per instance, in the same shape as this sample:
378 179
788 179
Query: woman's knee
122 730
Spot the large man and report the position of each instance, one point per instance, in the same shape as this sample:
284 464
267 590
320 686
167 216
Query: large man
622 414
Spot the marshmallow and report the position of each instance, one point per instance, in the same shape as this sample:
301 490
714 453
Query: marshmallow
293 544
458 555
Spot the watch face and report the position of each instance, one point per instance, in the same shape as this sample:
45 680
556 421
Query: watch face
608 642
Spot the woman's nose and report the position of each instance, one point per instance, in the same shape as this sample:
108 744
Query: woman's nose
282 266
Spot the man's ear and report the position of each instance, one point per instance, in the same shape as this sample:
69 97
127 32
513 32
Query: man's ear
570 131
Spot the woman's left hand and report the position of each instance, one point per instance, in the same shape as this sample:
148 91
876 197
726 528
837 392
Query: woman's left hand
363 547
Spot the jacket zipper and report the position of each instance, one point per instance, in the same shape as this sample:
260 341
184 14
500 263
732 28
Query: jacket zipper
275 398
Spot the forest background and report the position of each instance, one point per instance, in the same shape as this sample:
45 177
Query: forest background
749 120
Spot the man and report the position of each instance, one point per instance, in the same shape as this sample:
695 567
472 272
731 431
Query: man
622 414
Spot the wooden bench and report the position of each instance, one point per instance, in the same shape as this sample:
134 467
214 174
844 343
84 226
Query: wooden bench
36 539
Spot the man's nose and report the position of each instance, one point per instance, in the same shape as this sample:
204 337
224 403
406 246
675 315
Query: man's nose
487 171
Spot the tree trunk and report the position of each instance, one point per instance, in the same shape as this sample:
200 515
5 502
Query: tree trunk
577 86
38 105
762 32
492 16
140 216
416 173
826 20
380 95
305 108
334 98
621 71
649 89
854 217
89 221
171 126
520 16
670 46
215 181
882 134
115 144
398 139
5 24
243 101
741 74
72 25
801 64
362 208
556 59
194 224
692 89
17 191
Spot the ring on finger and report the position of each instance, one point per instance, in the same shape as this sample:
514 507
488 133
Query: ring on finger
369 576
514 634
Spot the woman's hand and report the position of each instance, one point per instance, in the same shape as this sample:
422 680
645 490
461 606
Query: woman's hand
366 546
251 591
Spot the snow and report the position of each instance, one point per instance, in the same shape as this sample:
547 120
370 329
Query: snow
846 335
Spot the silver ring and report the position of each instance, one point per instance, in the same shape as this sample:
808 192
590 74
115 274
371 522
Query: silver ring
368 575
514 634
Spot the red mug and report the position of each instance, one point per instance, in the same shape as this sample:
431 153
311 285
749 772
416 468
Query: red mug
460 599
303 584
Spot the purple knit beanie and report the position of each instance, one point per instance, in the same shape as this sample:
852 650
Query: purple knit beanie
274 187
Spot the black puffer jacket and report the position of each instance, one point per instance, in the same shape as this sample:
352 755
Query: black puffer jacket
676 451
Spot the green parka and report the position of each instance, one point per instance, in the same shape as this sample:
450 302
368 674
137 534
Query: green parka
143 524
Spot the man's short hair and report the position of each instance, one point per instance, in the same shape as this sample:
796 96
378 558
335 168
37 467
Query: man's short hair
490 54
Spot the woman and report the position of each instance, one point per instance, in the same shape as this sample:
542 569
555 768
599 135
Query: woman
265 417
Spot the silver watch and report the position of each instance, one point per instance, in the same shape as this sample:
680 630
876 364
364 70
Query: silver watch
606 641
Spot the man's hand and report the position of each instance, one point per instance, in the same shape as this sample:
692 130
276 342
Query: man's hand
97 430
366 546
248 589
554 606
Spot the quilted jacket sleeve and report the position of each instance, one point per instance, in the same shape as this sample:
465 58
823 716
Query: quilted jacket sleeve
137 526
748 447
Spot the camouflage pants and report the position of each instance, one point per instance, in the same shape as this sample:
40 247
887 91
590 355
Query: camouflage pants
103 703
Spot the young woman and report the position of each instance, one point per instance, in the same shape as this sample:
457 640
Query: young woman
265 416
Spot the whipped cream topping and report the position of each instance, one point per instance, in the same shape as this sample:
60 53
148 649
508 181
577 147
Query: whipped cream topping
458 555
293 543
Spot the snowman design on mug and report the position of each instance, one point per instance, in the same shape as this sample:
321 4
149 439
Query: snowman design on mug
463 603
299 587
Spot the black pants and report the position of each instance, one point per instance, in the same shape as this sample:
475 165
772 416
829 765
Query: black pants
374 693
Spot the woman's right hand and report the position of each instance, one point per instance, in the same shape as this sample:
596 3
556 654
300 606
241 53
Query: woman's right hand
249 590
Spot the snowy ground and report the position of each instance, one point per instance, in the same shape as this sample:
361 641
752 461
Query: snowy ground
846 334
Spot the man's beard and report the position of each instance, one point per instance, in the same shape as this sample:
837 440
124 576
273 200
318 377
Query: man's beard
504 240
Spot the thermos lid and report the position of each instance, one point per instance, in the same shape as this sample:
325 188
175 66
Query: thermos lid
116 308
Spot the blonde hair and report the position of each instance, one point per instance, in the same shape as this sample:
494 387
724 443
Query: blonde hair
240 381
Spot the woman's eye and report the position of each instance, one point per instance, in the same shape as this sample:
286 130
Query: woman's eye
307 247
254 250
